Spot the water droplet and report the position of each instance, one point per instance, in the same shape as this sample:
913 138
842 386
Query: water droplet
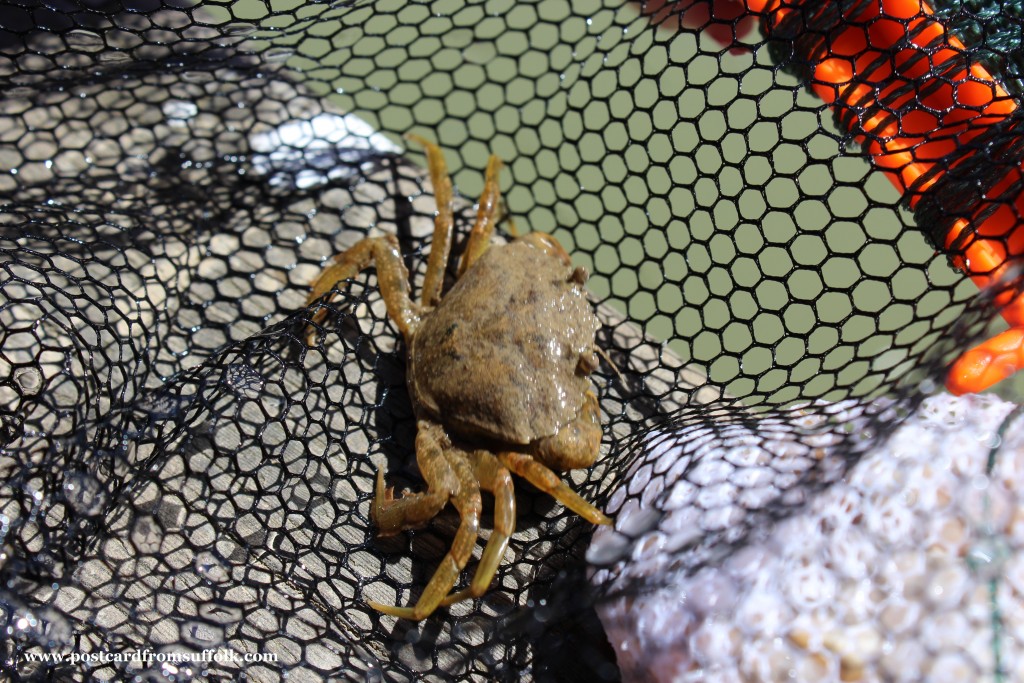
45 626
211 568
220 613
987 557
243 380
278 54
201 635
180 110
83 40
84 493
113 57
29 379
197 77
470 633
240 29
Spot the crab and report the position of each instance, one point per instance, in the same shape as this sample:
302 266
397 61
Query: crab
498 374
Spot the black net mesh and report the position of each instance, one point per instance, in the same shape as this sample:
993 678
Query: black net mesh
181 473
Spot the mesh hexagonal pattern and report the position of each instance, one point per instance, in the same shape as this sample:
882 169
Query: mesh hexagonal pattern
182 473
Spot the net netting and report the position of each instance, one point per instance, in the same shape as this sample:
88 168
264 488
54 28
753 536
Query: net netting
181 473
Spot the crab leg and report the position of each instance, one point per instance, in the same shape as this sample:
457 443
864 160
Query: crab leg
391 274
444 222
415 510
544 479
494 478
486 216
466 499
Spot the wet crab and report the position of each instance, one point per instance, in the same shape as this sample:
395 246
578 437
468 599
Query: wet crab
497 373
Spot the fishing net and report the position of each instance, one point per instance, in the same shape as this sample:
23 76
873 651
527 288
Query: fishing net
183 475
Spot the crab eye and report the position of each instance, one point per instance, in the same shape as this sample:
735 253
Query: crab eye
586 364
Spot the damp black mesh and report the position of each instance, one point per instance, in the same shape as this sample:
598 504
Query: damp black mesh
181 473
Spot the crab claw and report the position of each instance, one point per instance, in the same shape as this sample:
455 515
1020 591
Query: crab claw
987 363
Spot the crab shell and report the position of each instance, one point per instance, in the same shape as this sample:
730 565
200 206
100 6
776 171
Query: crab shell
503 356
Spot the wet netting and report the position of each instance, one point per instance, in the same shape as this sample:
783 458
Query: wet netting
777 205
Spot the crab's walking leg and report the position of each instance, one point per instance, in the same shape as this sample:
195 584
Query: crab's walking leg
486 216
466 499
542 477
444 222
550 245
496 479
415 510
391 274
546 480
